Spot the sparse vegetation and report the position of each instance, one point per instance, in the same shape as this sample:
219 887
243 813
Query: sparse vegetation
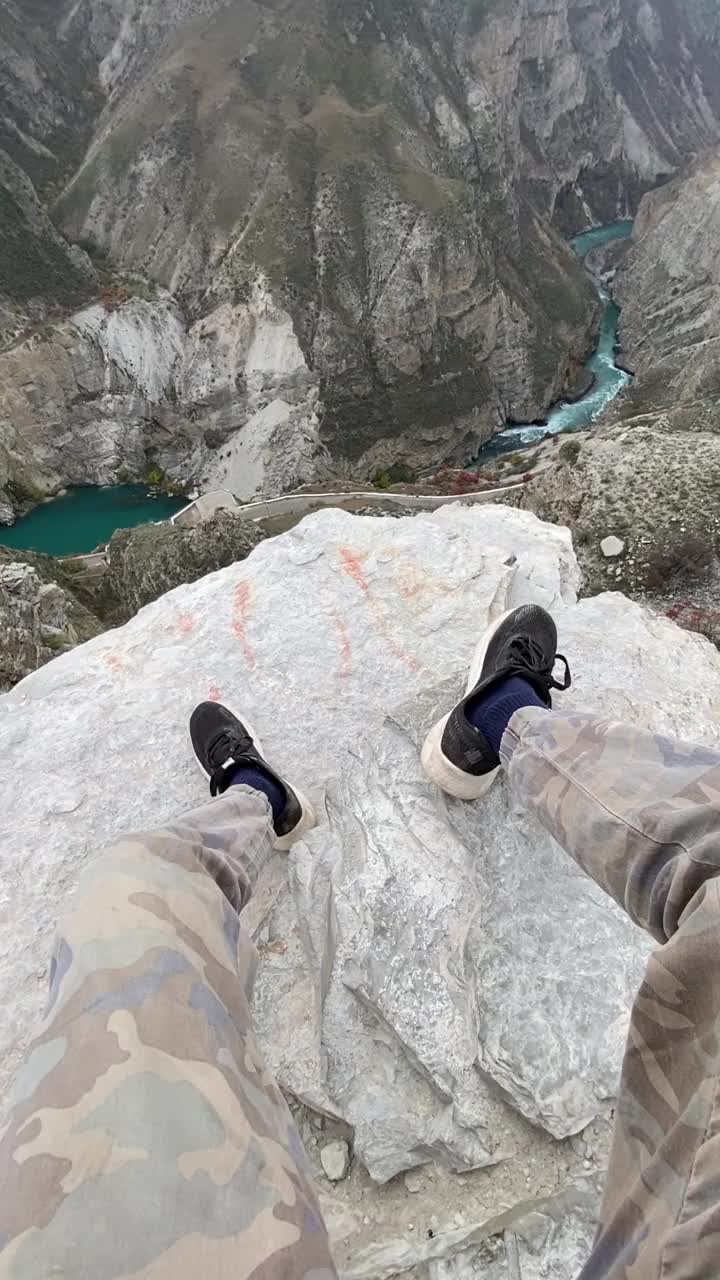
687 559
23 493
54 643
569 451
155 478
72 567
113 296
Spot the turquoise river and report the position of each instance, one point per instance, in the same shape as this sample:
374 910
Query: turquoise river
609 380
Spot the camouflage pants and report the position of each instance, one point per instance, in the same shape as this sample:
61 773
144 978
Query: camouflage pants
641 815
146 1138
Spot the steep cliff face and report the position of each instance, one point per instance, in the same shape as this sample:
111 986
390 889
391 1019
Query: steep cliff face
332 158
669 289
49 99
384 169
109 394
386 179
598 99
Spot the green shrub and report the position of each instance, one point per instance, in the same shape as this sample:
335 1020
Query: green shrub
155 478
73 566
570 451
381 479
54 643
398 473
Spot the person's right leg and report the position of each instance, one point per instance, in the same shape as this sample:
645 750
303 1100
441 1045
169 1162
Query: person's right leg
147 1139
641 815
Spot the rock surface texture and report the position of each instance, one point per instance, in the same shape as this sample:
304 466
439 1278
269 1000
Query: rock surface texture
351 209
438 977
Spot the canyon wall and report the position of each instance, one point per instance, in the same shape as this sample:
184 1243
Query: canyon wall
392 181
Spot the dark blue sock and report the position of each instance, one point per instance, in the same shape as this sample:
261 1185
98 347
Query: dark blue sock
490 711
261 781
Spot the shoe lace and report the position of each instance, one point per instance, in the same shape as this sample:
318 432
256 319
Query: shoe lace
224 748
528 653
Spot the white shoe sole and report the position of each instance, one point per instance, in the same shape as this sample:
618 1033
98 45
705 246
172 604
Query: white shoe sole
307 819
436 766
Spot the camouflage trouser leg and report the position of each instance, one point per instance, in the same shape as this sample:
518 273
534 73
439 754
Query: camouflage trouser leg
641 815
146 1137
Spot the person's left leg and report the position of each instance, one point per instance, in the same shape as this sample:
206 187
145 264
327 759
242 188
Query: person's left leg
640 813
146 1137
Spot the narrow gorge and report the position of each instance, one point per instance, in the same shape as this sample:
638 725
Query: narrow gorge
606 378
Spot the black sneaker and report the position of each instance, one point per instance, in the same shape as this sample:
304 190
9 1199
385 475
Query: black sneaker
523 642
221 742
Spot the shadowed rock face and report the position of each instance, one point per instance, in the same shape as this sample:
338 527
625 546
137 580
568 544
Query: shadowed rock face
669 288
49 99
383 177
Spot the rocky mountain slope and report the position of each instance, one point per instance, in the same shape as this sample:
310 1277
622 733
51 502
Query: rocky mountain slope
41 615
417 991
152 559
49 96
382 182
649 473
669 289
651 484
39 270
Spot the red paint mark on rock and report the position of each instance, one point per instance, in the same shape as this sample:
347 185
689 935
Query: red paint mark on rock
345 668
242 612
350 564
184 623
353 568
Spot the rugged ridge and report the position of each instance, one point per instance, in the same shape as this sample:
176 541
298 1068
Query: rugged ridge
400 901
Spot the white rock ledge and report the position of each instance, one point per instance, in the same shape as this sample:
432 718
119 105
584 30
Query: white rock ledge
449 974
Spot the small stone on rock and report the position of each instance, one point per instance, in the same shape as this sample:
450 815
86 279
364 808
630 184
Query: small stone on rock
414 1181
335 1160
612 546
